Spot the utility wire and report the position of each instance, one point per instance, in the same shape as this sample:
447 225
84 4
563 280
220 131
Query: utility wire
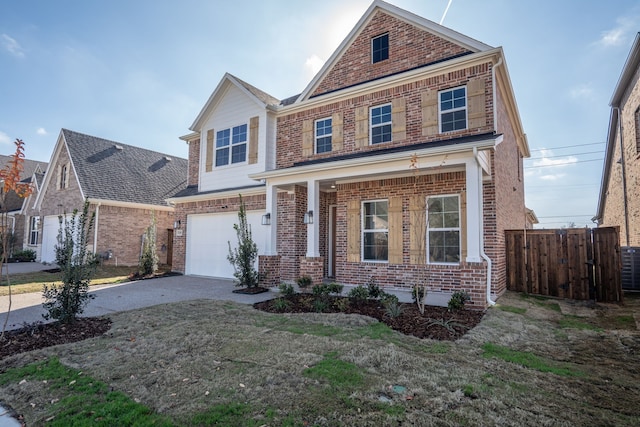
563 155
567 146
563 164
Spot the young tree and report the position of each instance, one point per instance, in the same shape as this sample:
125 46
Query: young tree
148 263
77 264
10 177
243 257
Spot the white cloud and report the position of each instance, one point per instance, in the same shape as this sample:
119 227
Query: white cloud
4 138
548 160
552 177
42 131
313 64
583 91
619 35
12 46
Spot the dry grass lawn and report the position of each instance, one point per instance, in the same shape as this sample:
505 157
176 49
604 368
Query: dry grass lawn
531 362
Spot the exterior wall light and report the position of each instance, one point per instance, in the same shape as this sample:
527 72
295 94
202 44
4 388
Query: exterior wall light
266 219
308 217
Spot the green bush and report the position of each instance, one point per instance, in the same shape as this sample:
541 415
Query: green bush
281 304
358 294
335 288
458 299
244 256
374 289
418 293
386 298
25 255
392 308
286 289
304 281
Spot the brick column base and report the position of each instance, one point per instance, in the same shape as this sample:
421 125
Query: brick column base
312 267
269 270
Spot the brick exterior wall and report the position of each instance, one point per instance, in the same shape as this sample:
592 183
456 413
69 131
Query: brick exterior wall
182 210
269 270
292 233
289 138
312 267
194 162
58 201
409 47
614 197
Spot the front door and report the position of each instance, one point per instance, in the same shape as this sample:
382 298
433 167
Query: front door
332 241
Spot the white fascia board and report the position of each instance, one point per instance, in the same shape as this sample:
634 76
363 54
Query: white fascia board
217 195
385 163
116 203
395 80
190 137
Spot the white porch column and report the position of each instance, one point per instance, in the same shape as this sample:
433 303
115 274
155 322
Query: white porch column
271 208
313 230
474 209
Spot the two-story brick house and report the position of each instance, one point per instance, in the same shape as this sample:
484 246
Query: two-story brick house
401 161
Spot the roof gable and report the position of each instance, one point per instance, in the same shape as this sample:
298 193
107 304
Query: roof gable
112 171
258 96
350 64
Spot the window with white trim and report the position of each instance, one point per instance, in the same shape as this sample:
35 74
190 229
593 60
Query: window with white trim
323 133
380 48
231 145
443 232
34 230
375 231
453 109
380 124
63 177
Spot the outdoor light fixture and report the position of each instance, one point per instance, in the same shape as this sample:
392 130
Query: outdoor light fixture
308 217
177 224
266 219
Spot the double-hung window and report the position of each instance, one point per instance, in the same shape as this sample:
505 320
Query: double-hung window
231 145
379 48
375 230
34 230
323 134
453 109
443 234
381 124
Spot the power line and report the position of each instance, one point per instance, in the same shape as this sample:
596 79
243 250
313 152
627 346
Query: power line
567 146
564 216
564 155
562 186
563 164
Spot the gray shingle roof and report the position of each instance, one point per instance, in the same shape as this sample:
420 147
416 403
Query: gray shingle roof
260 94
111 170
12 201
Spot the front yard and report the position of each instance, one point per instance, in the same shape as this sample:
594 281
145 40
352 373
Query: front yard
530 361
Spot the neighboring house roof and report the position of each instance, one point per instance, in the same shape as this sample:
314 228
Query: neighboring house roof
112 171
260 97
12 201
631 66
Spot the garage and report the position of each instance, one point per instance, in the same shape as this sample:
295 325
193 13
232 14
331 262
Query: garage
208 237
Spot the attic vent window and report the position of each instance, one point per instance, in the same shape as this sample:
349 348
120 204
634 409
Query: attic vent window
167 158
380 48
117 147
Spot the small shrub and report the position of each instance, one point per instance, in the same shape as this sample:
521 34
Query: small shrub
358 294
374 289
458 299
148 263
342 304
387 298
286 289
335 288
281 304
321 290
304 281
418 293
26 255
244 256
320 305
392 308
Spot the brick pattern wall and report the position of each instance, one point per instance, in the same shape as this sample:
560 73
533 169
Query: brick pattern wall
289 138
194 162
269 270
449 278
326 199
614 204
120 229
58 201
231 204
292 233
312 267
409 47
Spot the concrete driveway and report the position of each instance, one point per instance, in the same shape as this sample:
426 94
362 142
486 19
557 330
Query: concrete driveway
27 308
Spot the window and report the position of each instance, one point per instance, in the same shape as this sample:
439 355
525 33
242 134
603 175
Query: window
443 236
34 230
379 48
63 177
453 109
323 135
381 124
231 145
375 231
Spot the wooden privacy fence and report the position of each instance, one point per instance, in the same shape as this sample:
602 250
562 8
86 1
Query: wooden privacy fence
575 263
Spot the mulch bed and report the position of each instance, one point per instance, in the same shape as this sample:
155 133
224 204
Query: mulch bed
43 335
250 291
436 323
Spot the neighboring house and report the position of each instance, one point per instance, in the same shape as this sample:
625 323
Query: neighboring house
531 218
400 162
619 204
125 186
22 222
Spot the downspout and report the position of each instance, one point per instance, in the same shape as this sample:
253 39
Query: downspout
493 86
95 229
481 230
624 179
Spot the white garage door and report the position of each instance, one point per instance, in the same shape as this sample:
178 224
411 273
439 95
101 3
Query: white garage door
207 242
49 238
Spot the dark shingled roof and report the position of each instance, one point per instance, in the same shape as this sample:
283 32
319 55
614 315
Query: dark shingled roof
111 170
192 190
12 201
260 94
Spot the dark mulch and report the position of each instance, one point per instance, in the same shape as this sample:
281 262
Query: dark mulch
41 335
436 323
250 291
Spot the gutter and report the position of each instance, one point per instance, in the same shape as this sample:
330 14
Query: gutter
95 228
624 178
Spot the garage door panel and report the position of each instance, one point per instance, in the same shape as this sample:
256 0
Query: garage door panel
208 237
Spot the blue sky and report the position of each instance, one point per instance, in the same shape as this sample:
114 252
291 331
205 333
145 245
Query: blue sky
139 71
